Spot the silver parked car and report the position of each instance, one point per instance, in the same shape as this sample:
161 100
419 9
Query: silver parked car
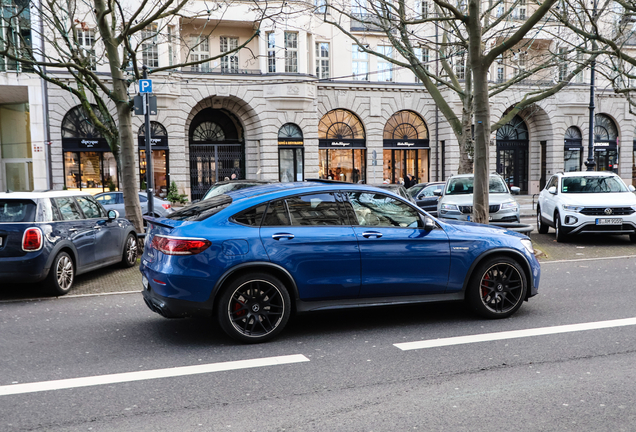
115 201
456 201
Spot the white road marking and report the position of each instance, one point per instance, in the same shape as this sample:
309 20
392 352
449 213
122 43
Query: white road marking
588 259
487 337
149 374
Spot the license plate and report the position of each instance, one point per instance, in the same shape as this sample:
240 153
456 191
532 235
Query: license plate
489 218
144 281
609 221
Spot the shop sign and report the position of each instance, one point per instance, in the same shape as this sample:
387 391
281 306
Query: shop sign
290 142
353 143
415 144
154 142
85 144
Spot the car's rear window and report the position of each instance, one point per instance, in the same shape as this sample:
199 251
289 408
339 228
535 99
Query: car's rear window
17 210
202 210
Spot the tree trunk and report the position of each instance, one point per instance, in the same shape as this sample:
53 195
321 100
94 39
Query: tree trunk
127 149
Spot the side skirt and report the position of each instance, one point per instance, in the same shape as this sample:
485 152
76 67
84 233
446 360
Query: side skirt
305 306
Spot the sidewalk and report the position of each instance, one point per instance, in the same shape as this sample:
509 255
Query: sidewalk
527 208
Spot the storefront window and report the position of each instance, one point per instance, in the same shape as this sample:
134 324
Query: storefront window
572 160
342 142
110 172
72 170
573 152
406 148
399 163
290 153
343 165
91 169
160 156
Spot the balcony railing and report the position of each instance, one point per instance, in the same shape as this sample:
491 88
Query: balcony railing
221 71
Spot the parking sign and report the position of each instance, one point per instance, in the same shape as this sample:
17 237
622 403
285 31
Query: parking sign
145 86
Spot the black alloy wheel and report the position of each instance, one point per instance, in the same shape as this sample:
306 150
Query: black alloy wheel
129 257
498 288
541 227
560 235
61 275
254 308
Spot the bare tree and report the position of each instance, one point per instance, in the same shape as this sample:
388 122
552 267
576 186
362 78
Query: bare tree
79 35
463 40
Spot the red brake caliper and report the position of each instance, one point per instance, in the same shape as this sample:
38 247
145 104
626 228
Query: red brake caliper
484 291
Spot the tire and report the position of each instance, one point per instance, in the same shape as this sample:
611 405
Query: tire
61 275
497 288
541 227
129 256
560 235
254 308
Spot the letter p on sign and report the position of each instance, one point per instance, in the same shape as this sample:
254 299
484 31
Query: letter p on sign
145 86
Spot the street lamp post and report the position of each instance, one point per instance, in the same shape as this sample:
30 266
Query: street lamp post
590 163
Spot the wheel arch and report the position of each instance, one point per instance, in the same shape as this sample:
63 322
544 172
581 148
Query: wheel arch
64 247
264 267
506 252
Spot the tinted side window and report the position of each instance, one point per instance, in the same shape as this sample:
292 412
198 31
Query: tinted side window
89 208
276 214
551 182
14 210
251 217
202 210
374 209
68 208
142 199
315 209
107 199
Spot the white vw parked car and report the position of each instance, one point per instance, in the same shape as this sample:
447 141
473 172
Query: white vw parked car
587 202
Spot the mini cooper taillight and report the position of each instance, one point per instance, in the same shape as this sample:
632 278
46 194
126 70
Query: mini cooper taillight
179 245
32 240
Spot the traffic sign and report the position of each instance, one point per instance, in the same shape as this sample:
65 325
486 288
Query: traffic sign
145 86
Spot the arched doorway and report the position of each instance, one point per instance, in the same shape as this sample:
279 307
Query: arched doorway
573 150
160 167
89 164
512 153
605 143
406 147
217 150
342 147
291 158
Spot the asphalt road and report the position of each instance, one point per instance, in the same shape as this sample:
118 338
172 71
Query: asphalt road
346 373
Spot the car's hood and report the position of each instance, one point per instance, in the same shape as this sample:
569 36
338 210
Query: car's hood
475 228
494 198
611 199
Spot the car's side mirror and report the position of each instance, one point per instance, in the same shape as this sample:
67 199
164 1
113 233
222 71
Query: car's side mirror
437 192
515 190
631 188
552 190
429 223
195 201
112 215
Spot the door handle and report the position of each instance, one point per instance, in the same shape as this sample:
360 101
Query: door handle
282 236
97 227
371 234
72 229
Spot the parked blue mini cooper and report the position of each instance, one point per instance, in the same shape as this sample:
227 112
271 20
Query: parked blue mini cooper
253 257
54 236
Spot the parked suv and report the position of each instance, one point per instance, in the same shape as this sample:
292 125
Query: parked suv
457 199
54 236
587 202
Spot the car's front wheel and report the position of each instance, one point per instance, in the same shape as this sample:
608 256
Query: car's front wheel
497 288
541 227
129 257
560 235
61 275
254 308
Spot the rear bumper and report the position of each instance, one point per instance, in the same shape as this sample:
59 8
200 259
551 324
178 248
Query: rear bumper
29 268
174 308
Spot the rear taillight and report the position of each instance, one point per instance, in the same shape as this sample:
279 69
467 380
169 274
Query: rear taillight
32 240
165 206
179 245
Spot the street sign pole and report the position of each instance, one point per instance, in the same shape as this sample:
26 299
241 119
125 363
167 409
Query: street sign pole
149 172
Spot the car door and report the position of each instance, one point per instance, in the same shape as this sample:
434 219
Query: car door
399 256
108 234
426 198
548 203
77 229
309 235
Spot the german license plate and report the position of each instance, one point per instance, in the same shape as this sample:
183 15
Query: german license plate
144 281
609 221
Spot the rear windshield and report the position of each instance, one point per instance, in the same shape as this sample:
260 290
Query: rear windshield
592 185
17 210
201 210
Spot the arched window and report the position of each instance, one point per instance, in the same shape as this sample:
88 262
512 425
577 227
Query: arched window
605 143
512 153
573 151
341 139
515 129
406 149
78 124
290 153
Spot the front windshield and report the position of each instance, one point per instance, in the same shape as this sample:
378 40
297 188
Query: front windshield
464 186
592 184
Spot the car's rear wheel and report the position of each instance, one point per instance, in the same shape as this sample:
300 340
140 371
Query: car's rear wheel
560 235
254 308
129 257
541 227
497 288
61 275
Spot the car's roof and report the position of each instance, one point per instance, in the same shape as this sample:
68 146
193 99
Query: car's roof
41 194
471 175
589 174
298 187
